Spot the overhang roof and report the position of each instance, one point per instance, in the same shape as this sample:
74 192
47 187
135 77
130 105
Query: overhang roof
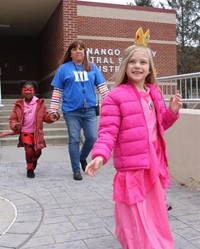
25 17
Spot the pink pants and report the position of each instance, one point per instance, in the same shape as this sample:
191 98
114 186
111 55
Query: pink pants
145 225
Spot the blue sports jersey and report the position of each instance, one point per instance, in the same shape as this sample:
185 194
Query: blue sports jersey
78 87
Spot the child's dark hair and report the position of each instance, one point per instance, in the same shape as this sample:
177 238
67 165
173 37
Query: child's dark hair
23 83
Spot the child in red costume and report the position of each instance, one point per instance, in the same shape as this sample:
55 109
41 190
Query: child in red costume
27 120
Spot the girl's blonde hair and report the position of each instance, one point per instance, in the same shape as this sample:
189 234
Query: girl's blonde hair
121 77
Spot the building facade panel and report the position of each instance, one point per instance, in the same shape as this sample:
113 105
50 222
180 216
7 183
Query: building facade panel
126 12
120 29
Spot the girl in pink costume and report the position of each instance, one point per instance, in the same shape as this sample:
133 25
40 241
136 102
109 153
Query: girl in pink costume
132 124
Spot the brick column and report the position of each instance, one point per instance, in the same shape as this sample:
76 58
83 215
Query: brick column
70 22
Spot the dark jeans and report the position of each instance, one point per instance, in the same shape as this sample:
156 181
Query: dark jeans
76 120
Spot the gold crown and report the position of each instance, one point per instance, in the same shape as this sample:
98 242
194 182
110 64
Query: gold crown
142 39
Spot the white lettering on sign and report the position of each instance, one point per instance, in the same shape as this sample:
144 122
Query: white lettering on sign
154 53
103 51
107 60
106 69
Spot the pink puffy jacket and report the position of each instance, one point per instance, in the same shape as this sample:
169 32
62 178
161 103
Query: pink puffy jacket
123 127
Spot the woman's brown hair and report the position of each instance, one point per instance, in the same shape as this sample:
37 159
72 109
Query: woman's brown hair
67 56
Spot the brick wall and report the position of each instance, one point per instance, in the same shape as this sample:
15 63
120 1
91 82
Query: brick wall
55 38
51 42
107 30
114 28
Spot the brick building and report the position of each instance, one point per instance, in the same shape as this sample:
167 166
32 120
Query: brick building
107 30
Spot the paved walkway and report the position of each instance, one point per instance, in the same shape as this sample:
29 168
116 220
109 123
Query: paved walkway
54 211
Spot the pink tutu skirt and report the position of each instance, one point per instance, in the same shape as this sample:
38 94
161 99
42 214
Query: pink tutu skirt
144 225
140 205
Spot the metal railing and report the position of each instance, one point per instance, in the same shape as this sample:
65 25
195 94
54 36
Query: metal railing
187 84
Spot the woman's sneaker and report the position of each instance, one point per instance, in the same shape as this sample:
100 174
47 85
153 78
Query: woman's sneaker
169 207
83 164
77 176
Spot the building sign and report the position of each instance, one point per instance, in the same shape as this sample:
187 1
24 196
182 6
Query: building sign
107 60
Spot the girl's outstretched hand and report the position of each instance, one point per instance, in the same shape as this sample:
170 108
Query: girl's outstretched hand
94 165
175 103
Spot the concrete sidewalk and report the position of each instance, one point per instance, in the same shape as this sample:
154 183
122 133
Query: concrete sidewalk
54 211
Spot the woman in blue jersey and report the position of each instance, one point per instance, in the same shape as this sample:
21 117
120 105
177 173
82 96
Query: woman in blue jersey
75 83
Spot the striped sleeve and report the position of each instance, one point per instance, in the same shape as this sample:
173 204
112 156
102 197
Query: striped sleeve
103 89
55 100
